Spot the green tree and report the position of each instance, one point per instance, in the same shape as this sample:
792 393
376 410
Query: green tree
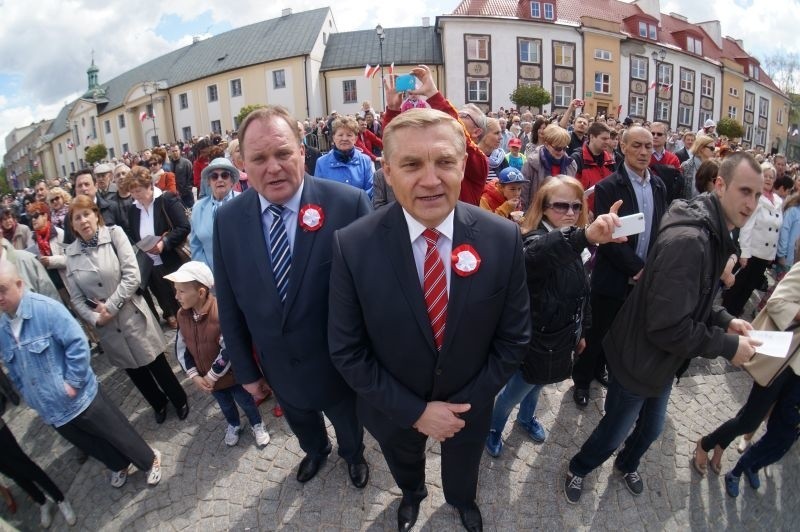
246 110
96 153
730 128
36 176
5 186
530 96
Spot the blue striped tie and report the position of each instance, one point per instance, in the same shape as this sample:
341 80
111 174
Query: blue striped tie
279 251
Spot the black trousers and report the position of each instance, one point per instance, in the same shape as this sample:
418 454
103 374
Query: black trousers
747 279
404 451
163 290
104 433
592 361
750 415
17 466
157 383
309 427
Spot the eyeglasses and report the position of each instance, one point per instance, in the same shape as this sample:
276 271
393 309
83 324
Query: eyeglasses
658 134
709 146
562 207
558 148
154 164
55 200
36 215
213 176
465 115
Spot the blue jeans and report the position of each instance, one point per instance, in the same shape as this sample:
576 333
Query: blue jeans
623 409
230 397
516 392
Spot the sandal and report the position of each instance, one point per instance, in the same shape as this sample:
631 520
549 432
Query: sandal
700 468
716 467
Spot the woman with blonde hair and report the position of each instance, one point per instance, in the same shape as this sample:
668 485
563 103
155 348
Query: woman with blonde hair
58 200
550 159
702 150
555 238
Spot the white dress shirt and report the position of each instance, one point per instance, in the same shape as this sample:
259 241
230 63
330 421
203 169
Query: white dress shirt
419 245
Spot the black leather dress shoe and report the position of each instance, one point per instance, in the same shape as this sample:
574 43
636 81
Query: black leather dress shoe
359 473
309 466
183 411
471 518
581 396
407 514
161 415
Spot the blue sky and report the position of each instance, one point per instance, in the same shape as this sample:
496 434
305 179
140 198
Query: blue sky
172 27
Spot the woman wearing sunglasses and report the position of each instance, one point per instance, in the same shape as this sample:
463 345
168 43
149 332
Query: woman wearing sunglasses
58 199
549 160
221 176
555 238
162 179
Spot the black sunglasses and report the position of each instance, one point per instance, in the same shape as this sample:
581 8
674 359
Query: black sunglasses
563 207
218 175
154 164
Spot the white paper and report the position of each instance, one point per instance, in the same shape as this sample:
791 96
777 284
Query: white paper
775 343
148 242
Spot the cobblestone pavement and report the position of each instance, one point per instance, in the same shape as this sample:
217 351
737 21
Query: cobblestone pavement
208 486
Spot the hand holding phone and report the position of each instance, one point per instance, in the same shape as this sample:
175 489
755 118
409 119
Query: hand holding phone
631 225
406 82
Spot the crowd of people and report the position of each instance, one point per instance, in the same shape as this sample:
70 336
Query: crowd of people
489 269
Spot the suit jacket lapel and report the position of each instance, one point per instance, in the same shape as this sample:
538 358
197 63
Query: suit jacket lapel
464 232
253 232
303 243
397 247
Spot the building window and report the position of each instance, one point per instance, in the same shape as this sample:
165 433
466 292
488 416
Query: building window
748 132
603 55
752 70
349 91
216 127
563 54
685 115
71 166
549 12
648 31
536 10
733 91
639 67
278 79
478 48
324 38
663 110
705 115
636 106
763 107
528 51
562 95
149 110
63 170
780 115
187 133
749 101
125 148
478 90
602 83
213 96
121 122
732 111
60 149
236 88
694 46
707 86
111 153
664 76
107 126
687 80
183 100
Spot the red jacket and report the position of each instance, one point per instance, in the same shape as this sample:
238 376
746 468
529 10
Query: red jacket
367 140
669 158
590 173
477 167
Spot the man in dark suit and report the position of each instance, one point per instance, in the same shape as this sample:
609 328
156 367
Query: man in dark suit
85 184
184 176
619 266
428 342
272 260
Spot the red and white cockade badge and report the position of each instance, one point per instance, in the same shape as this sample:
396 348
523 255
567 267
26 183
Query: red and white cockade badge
466 260
311 217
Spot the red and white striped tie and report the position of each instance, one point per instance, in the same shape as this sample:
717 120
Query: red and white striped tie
435 286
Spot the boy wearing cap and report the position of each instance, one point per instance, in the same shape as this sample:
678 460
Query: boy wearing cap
201 350
515 158
501 196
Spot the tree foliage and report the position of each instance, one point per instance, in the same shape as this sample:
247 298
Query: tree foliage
730 128
96 153
246 110
784 69
530 96
5 186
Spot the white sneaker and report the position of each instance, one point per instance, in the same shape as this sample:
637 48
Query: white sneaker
154 476
66 510
47 513
232 435
118 478
261 434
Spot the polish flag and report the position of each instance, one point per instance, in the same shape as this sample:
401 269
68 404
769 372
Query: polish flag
391 70
619 111
142 116
652 86
370 71
70 145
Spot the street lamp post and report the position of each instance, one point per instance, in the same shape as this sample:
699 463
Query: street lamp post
381 37
150 88
658 57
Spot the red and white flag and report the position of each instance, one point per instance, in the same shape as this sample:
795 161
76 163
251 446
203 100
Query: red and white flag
391 70
652 86
70 145
370 71
142 116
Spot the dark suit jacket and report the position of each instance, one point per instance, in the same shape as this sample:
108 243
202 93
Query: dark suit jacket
616 263
379 332
175 230
111 212
291 340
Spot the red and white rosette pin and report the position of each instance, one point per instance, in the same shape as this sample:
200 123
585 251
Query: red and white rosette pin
466 260
311 217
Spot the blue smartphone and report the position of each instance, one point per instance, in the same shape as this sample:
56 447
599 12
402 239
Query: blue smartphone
406 82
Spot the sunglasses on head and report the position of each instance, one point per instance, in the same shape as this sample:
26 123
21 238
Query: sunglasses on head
563 207
218 175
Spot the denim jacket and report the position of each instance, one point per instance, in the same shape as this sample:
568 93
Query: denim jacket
52 350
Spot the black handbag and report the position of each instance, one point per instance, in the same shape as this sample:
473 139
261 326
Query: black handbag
550 356
7 392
